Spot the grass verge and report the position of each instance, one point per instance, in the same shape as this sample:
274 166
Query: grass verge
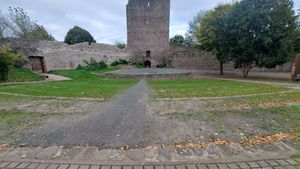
208 88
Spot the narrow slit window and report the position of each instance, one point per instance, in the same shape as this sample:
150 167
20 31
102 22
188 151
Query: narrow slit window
148 4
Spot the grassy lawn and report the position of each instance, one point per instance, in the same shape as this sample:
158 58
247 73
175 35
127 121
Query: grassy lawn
208 88
22 75
84 84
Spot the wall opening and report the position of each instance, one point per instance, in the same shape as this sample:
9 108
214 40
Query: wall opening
148 54
147 64
38 64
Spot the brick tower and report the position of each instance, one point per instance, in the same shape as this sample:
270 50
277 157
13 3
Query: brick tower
148 23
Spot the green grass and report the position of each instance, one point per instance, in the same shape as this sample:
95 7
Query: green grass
22 75
84 84
208 88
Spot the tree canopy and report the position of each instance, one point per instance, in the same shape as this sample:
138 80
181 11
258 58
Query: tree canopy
18 24
177 40
78 35
212 35
251 33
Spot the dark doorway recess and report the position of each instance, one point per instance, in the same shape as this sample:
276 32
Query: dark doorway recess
147 64
38 64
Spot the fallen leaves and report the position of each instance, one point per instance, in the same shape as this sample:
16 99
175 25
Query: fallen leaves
270 139
2 146
257 140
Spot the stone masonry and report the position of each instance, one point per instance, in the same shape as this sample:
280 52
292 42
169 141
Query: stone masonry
148 30
58 55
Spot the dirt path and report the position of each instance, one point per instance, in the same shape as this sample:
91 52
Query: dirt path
117 123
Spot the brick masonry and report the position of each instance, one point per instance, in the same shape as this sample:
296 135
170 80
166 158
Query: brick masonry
262 164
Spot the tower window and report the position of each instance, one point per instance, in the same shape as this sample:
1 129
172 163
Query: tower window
148 4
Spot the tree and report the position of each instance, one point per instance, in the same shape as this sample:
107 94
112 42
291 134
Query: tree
211 32
7 58
78 35
262 33
39 32
177 40
18 24
190 36
121 45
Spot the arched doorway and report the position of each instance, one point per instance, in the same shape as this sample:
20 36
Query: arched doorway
147 64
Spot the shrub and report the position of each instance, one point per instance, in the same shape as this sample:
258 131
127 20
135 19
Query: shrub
93 65
8 57
120 62
165 63
138 64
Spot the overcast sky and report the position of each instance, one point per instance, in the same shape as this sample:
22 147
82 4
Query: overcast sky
105 20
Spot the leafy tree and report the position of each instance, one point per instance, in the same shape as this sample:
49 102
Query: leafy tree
8 57
262 33
177 40
211 32
19 24
121 45
39 32
78 35
190 36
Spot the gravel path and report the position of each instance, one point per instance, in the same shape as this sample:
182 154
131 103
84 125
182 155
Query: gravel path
120 122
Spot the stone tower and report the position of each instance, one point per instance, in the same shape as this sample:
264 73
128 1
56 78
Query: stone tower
148 23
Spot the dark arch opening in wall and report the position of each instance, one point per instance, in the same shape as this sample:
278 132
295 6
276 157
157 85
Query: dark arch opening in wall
147 64
38 64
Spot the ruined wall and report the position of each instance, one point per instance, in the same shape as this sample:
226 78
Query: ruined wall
183 57
148 29
59 55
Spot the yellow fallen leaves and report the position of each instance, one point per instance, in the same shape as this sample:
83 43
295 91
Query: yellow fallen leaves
270 139
2 146
250 142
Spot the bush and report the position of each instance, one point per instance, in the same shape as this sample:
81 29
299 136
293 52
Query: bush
120 62
93 65
121 45
138 64
165 63
8 57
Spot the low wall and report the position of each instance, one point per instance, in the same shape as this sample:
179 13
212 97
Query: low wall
60 55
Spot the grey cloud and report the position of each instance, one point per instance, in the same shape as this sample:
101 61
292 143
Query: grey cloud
106 20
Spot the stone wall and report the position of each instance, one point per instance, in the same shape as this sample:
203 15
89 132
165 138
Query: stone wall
183 57
59 55
148 30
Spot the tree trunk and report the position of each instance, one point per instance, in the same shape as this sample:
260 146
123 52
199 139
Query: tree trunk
246 69
221 68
